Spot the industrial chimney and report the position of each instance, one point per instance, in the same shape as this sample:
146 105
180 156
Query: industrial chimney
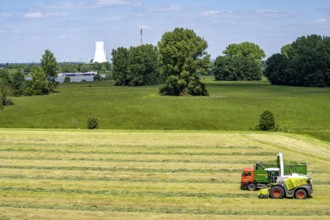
100 56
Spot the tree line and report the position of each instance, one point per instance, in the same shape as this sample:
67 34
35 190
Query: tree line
42 80
13 77
304 62
182 58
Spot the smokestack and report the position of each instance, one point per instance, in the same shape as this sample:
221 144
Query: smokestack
100 55
141 33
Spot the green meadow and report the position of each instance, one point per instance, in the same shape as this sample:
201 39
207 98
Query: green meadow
231 106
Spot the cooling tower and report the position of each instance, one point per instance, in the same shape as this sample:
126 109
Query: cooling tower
100 55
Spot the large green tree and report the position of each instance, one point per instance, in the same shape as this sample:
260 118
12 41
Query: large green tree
245 49
18 82
14 81
240 62
49 64
39 85
277 70
183 57
120 65
143 65
136 66
304 62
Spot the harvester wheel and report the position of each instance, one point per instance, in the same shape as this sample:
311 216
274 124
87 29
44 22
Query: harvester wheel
277 192
252 187
300 194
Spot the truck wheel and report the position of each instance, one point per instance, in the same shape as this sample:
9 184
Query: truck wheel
277 192
252 187
300 194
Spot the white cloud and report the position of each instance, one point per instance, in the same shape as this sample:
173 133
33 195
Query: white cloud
166 8
64 5
3 15
114 2
34 14
112 18
320 21
271 13
212 13
56 14
39 14
78 5
144 27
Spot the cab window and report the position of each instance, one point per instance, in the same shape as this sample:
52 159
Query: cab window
247 174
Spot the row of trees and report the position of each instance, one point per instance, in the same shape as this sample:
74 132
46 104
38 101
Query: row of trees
305 62
181 58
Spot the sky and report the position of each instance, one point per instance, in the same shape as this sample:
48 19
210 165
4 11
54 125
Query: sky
70 28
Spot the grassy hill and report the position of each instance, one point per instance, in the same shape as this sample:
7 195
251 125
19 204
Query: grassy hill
231 106
79 174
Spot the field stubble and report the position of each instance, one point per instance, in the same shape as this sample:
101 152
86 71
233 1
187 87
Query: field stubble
151 174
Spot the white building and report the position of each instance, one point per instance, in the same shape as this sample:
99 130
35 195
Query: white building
76 77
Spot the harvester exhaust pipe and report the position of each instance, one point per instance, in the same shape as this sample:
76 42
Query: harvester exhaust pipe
280 158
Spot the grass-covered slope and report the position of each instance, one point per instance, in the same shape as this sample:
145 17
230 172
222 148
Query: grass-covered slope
56 174
230 106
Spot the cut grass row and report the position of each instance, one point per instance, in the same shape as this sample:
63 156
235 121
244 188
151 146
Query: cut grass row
133 179
146 152
131 169
174 210
157 199
105 159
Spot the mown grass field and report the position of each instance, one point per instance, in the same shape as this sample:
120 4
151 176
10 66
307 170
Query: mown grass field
231 106
79 174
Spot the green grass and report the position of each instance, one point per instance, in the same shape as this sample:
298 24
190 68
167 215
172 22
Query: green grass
71 174
231 106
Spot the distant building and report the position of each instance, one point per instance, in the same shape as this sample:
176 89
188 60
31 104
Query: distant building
100 54
76 77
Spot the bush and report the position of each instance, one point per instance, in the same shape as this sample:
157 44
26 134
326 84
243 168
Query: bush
67 79
4 93
266 122
93 123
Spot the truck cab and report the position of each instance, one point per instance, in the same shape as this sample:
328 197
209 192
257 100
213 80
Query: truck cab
258 176
247 179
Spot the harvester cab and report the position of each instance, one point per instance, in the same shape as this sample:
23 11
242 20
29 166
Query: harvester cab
273 173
